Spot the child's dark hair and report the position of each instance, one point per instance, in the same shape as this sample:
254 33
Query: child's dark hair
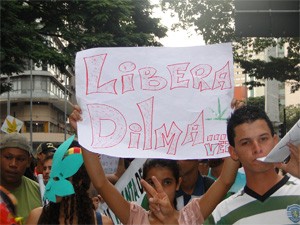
246 114
165 163
168 163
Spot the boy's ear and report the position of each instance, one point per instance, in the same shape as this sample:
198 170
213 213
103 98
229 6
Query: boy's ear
232 153
276 138
179 182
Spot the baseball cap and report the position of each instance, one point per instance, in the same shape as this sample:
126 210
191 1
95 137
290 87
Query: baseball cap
45 147
15 140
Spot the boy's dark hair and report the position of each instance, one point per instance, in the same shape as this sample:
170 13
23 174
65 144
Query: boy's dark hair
246 114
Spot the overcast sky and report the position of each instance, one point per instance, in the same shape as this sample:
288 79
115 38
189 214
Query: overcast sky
182 38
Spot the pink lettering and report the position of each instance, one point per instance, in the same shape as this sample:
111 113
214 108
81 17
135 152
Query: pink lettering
177 72
134 135
94 66
146 109
103 113
222 78
199 72
195 131
170 138
149 81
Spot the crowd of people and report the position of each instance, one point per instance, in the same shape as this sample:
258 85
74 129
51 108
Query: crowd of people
234 190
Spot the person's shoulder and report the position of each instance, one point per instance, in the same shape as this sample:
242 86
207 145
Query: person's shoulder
106 220
34 216
292 184
232 199
207 181
293 179
30 182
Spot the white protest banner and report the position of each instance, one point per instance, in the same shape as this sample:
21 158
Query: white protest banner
155 102
11 125
281 151
109 163
129 186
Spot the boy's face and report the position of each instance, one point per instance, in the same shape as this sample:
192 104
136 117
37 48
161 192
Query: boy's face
14 162
253 140
47 169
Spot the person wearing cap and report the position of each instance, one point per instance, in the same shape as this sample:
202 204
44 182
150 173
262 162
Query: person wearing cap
15 157
67 191
42 151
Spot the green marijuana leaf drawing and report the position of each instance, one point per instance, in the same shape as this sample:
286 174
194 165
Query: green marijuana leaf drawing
219 114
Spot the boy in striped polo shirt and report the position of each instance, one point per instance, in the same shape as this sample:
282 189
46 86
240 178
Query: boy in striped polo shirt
268 197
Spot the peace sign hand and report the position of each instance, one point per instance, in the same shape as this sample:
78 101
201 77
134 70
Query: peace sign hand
159 203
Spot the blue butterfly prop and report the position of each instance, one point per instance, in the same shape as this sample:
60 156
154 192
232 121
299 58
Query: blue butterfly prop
62 168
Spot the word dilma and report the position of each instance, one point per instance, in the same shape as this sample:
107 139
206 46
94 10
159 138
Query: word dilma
201 77
168 139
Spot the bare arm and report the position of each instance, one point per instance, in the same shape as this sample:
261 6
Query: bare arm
113 178
219 188
34 216
293 165
108 192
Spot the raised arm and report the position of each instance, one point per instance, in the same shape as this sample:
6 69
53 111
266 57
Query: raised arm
219 188
114 177
215 194
108 192
105 188
293 165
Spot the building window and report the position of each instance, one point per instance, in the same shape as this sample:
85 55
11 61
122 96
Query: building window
25 85
37 127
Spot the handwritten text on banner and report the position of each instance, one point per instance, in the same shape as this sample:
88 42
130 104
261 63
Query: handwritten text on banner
155 102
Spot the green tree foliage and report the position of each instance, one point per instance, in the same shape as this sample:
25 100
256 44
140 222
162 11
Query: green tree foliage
5 87
292 114
27 25
257 101
214 20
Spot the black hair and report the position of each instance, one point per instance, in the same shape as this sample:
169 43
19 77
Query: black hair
212 163
83 207
79 204
246 114
165 163
168 163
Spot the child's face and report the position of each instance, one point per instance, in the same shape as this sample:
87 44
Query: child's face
167 180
